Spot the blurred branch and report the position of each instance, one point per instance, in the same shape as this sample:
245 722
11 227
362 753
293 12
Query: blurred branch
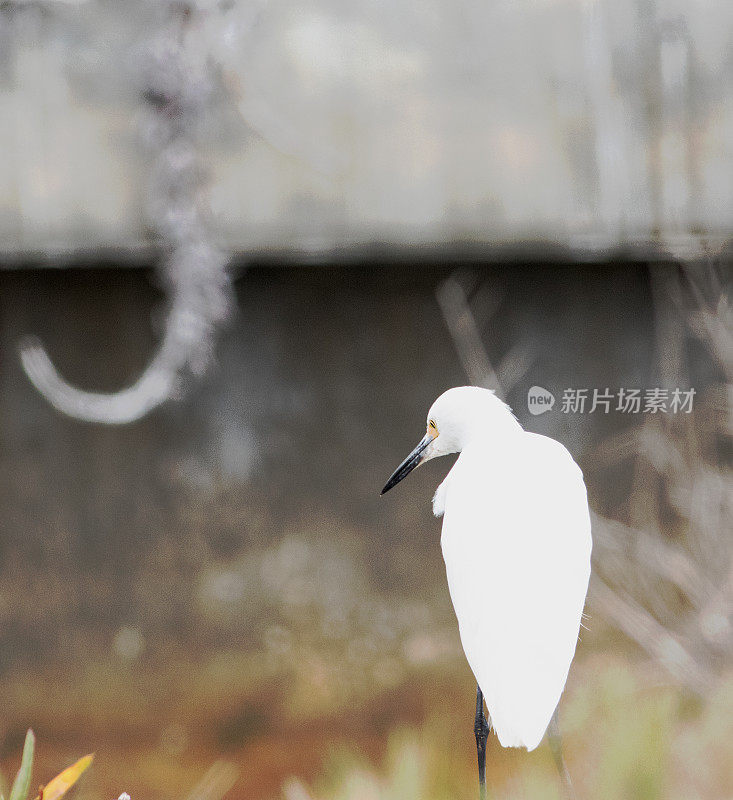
515 365
466 336
612 542
179 83
638 559
715 617
155 386
670 468
641 627
485 301
715 324
217 781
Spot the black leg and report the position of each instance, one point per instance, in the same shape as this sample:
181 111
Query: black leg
555 740
481 731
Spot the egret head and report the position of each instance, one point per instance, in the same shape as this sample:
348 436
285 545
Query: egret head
458 416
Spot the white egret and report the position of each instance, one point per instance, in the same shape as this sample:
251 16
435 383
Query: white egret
516 542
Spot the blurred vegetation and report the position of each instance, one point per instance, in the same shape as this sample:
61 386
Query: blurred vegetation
628 736
221 579
56 788
630 733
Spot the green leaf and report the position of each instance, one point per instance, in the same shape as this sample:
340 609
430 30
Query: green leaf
23 778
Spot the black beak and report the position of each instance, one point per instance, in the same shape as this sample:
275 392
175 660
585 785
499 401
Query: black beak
406 467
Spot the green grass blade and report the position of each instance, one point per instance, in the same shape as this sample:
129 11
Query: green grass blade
23 778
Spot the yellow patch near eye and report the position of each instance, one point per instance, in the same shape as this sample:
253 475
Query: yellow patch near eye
432 428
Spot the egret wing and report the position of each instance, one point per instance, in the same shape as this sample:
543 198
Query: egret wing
516 543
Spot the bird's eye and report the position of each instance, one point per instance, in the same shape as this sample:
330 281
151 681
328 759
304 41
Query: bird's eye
432 425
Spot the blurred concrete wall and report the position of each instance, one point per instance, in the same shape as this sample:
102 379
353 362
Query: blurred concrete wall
591 124
323 381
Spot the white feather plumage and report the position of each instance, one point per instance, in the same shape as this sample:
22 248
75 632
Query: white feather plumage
516 542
